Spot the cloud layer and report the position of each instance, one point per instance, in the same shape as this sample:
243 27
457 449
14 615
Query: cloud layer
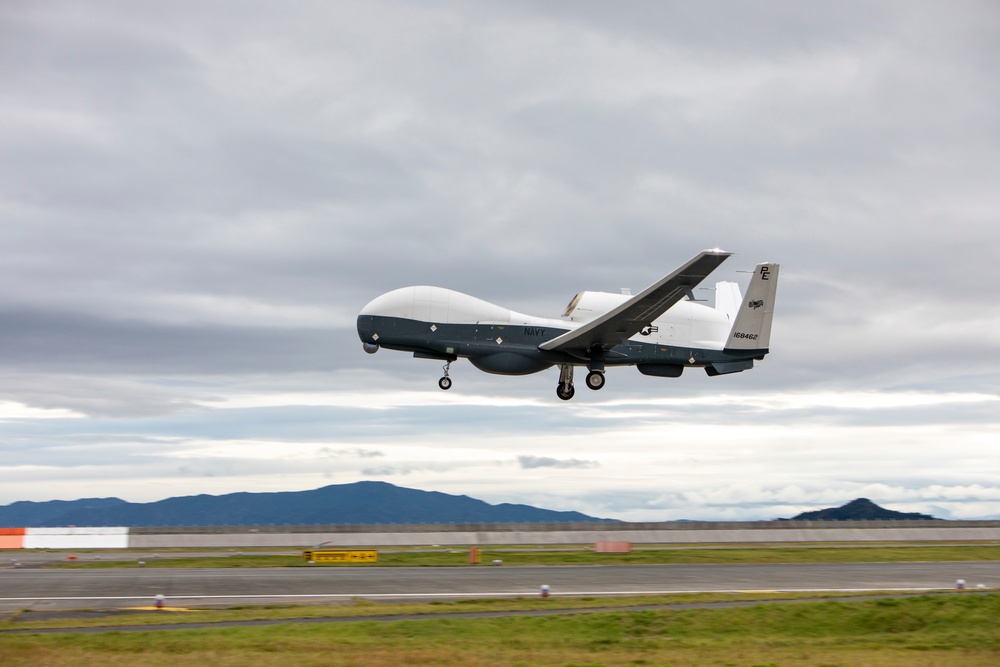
197 200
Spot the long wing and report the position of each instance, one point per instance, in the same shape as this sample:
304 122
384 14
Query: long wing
619 324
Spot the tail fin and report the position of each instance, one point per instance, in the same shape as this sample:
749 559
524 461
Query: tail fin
752 329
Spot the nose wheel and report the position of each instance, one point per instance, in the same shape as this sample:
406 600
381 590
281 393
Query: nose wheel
445 382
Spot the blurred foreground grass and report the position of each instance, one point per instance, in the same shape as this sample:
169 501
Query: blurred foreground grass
960 629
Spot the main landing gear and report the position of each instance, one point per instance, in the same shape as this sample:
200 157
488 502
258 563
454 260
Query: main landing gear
565 389
445 382
595 380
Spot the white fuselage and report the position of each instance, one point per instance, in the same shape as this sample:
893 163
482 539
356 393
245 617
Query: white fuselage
661 331
686 324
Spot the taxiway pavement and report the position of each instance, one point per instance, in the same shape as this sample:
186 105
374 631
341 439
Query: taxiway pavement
43 589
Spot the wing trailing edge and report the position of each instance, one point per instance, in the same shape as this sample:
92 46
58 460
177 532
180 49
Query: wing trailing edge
626 320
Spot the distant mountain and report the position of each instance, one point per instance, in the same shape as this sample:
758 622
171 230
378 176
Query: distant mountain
860 509
358 503
26 513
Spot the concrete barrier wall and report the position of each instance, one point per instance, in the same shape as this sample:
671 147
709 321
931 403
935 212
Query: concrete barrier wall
498 534
588 526
558 537
11 538
73 537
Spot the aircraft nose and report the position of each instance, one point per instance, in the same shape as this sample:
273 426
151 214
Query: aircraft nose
366 332
366 328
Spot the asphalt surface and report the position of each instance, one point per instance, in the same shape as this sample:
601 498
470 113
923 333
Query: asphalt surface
42 589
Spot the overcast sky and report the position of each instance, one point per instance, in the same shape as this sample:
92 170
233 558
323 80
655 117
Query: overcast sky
196 199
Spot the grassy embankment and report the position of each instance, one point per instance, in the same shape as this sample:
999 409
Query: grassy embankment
959 630
357 608
737 554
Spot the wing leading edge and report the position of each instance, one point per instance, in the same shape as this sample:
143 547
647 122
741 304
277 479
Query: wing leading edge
619 324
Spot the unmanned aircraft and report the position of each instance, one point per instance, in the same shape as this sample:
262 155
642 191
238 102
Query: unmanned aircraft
661 331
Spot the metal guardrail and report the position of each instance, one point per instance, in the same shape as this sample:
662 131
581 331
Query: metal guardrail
607 526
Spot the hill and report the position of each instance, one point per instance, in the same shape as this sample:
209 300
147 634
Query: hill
859 509
358 503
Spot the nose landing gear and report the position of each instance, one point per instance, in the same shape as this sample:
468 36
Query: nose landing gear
445 382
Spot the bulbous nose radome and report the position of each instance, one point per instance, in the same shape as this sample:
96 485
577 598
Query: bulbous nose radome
367 334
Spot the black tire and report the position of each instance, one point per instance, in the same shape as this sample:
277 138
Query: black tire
565 391
445 383
595 380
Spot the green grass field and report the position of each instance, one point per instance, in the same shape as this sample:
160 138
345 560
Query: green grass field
360 608
960 630
736 554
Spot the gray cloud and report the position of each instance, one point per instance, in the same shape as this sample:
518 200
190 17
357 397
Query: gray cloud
197 202
532 462
355 452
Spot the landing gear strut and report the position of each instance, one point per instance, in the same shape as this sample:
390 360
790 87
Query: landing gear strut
445 382
565 390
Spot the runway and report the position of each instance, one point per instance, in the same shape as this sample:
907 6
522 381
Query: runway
97 589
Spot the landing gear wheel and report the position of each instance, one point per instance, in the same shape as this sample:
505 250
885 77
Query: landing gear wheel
595 380
445 382
565 391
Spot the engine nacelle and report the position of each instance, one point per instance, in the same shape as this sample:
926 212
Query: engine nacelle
585 306
508 363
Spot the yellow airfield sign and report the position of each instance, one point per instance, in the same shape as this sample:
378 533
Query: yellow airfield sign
340 556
